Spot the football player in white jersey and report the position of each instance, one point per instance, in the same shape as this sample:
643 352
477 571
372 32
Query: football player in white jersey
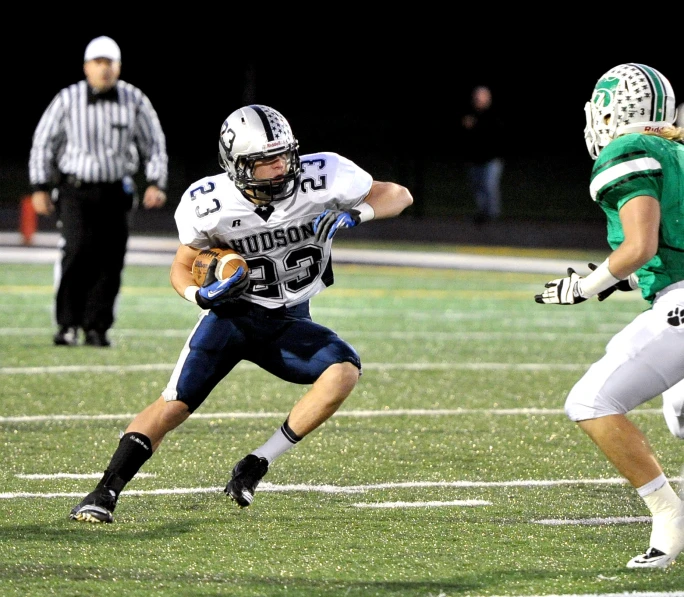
637 180
280 211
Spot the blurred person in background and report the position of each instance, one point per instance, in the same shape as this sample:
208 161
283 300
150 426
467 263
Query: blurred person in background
86 148
637 179
482 150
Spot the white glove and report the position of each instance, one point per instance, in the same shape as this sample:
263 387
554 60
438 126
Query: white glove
562 291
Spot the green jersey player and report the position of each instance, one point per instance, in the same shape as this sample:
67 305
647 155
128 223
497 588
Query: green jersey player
638 181
616 179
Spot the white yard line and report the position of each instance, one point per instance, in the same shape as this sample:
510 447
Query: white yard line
625 594
581 336
339 489
392 505
366 366
396 412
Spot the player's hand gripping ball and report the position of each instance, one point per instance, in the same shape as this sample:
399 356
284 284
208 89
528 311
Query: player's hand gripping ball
228 263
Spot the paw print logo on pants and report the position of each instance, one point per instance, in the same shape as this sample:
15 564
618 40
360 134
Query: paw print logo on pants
675 317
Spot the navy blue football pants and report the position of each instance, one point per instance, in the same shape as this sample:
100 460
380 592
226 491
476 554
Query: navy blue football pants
284 342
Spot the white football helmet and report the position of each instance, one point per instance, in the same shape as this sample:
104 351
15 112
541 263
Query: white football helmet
252 133
629 98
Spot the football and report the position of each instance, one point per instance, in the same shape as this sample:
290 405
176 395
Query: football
228 262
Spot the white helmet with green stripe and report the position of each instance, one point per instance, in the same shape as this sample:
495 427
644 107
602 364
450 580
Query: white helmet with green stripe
629 98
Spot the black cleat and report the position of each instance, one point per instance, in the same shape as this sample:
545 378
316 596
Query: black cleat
96 338
246 476
66 336
97 506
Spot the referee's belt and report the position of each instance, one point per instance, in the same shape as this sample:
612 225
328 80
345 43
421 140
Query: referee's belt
74 181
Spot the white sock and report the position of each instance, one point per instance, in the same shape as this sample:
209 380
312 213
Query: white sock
659 496
279 443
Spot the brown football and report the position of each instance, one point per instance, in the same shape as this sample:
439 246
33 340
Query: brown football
228 262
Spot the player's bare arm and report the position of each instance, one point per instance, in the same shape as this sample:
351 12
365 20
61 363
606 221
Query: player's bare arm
388 199
640 218
181 269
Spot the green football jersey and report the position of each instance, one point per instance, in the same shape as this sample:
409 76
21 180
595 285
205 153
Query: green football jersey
638 164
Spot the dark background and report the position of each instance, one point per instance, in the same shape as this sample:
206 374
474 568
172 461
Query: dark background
389 99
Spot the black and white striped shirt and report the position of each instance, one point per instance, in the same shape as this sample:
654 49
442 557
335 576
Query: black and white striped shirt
98 140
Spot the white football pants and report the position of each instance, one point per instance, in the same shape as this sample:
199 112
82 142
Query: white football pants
642 361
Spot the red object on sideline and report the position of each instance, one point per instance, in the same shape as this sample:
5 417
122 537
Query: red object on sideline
28 223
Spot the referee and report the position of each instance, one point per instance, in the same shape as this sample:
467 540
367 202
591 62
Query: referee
87 146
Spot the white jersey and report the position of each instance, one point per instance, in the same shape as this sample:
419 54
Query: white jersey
287 266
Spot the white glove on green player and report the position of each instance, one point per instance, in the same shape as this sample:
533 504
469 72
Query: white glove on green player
562 291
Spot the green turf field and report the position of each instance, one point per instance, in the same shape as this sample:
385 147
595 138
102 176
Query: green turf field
450 470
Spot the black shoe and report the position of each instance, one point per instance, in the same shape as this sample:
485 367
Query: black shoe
246 476
97 506
67 336
96 338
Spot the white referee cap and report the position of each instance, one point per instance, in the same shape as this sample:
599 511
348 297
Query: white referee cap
102 47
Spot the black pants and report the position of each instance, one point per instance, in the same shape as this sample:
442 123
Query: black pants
94 229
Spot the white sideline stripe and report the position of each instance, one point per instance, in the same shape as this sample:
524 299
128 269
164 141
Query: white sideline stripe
422 504
42 255
160 251
416 412
370 366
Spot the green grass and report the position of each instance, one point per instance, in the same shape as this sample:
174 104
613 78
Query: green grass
451 361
